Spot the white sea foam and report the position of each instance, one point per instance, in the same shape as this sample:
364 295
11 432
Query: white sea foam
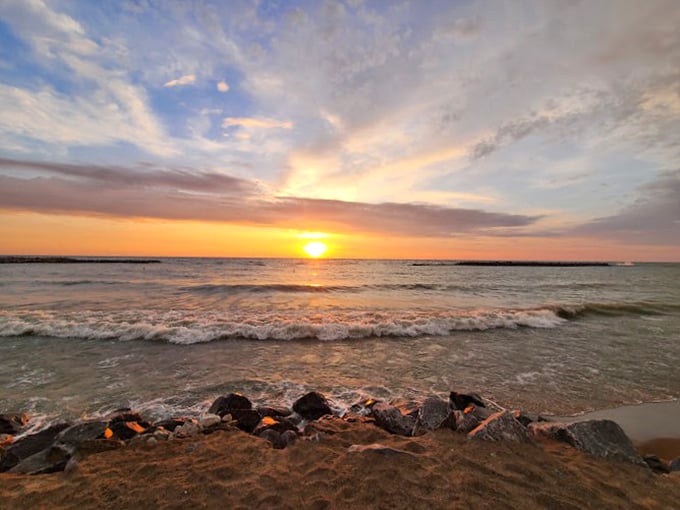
193 327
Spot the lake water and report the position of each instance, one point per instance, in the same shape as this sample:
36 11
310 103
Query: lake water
78 340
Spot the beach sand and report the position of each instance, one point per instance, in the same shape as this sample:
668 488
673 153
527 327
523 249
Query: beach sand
443 469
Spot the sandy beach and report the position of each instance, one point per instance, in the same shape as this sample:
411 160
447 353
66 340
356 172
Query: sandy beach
443 469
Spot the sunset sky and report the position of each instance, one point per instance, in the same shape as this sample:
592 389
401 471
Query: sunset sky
395 129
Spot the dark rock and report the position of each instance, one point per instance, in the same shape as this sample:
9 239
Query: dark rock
674 465
170 424
655 464
126 429
406 407
127 415
12 423
273 437
363 407
288 438
246 419
434 414
274 411
501 426
465 422
49 460
30 445
82 432
460 400
224 405
392 420
523 418
601 438
269 423
312 406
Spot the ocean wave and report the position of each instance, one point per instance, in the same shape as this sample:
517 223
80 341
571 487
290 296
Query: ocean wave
614 309
230 289
192 327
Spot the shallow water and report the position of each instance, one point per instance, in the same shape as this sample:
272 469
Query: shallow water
168 338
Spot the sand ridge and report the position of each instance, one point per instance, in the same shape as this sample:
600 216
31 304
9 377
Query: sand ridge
230 469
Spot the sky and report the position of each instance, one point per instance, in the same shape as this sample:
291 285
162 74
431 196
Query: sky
392 129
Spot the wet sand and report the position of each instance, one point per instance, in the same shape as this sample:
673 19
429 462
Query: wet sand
444 469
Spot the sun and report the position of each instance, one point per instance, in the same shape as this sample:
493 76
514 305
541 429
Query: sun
315 248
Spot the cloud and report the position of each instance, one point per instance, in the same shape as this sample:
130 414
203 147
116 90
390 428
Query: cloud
653 218
222 86
187 79
185 195
255 123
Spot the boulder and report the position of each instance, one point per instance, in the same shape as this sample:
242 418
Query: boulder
125 430
273 437
434 414
461 399
224 405
246 419
170 424
6 440
601 438
49 460
465 422
526 418
312 406
674 465
655 464
274 411
392 420
12 423
127 415
363 407
190 428
279 425
82 432
93 446
501 426
30 445
209 421
288 437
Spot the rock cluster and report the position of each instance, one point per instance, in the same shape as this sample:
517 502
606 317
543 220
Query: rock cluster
60 446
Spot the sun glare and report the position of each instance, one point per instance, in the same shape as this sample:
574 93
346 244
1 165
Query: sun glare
315 248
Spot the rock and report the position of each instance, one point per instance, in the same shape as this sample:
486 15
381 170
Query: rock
273 437
501 426
12 423
82 432
170 424
274 411
312 406
190 428
379 449
161 434
6 440
49 460
208 421
246 419
126 430
269 423
674 465
30 445
125 415
392 420
363 407
460 400
407 407
224 405
601 438
655 464
288 438
434 414
465 422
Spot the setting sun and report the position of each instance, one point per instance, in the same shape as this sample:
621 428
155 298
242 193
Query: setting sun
315 248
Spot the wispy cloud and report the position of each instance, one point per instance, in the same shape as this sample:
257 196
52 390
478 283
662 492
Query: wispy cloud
256 123
187 79
178 194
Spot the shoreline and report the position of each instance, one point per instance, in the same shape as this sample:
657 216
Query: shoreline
361 460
